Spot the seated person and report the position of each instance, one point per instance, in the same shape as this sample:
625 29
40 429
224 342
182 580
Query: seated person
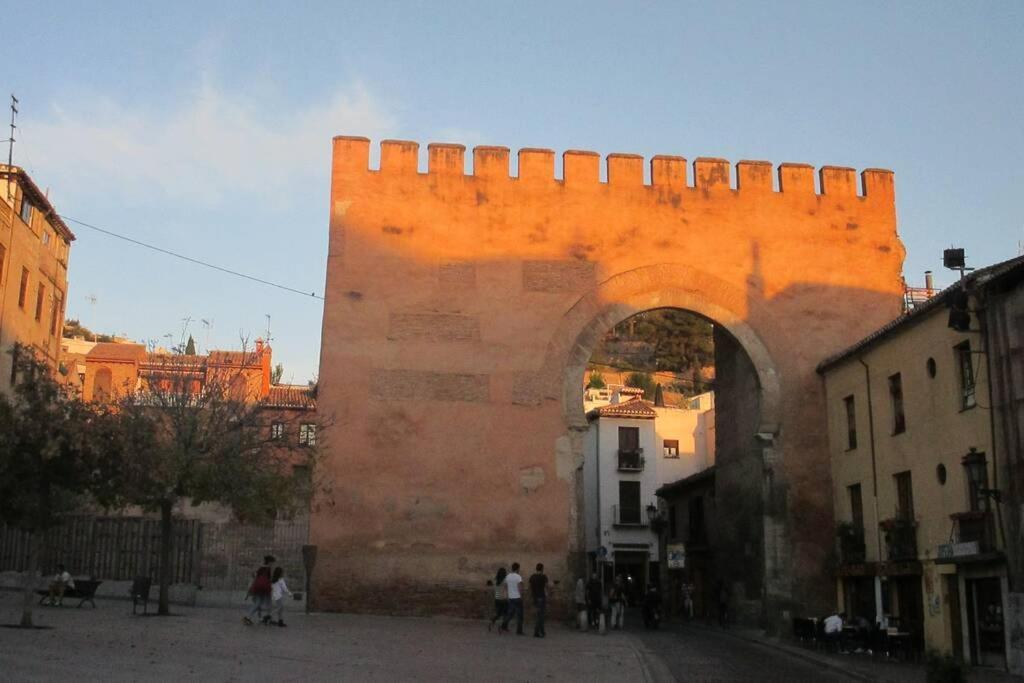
61 582
833 628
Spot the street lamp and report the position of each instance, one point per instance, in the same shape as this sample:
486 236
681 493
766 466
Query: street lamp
977 474
655 518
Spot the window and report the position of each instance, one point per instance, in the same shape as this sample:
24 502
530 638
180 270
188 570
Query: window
904 496
629 439
671 448
673 528
307 434
899 420
851 423
26 211
45 237
40 297
23 290
965 366
697 534
55 314
277 430
629 502
856 506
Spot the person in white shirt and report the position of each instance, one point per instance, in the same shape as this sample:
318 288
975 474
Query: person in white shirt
61 582
279 589
833 628
513 582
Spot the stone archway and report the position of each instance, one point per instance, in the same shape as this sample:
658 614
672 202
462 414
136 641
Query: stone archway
684 287
460 311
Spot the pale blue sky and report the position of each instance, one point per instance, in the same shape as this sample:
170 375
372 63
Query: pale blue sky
206 127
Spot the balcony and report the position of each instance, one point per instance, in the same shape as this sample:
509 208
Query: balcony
629 516
852 549
631 461
975 527
900 539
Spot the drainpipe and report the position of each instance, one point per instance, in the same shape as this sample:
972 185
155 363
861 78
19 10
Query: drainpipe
600 512
874 485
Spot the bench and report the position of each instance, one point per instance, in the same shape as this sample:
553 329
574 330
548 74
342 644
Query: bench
84 591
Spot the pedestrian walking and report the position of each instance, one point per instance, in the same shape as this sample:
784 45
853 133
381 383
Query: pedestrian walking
279 589
500 597
580 598
514 583
617 600
594 600
260 591
539 593
722 596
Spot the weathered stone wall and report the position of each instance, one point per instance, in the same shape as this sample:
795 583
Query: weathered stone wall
461 311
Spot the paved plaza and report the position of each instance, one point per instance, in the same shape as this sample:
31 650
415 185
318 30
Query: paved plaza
212 644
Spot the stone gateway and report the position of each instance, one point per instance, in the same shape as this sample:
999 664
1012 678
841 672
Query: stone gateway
461 310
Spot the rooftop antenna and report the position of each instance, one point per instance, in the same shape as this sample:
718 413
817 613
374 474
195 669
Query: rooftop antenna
267 338
953 258
10 141
91 298
207 324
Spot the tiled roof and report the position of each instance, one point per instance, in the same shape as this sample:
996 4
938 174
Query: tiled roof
635 409
39 198
290 396
124 353
234 358
977 278
683 484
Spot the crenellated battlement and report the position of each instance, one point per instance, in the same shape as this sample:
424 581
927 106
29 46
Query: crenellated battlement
581 168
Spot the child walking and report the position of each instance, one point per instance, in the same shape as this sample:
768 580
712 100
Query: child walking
279 590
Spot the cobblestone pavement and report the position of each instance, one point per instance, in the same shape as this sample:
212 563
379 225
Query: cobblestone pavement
212 644
697 654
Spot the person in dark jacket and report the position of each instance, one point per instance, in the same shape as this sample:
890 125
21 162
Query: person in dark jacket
594 601
260 591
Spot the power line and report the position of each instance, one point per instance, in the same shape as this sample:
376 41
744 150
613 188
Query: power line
190 259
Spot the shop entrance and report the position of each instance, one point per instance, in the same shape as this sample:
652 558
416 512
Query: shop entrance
632 567
985 622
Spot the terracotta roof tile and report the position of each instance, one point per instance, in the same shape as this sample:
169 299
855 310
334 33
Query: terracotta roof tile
635 409
290 396
124 353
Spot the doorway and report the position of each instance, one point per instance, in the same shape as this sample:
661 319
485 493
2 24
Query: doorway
632 567
985 621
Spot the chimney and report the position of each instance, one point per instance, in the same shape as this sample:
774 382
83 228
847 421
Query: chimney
928 283
259 346
659 396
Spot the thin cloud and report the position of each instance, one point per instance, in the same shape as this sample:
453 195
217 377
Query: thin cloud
216 145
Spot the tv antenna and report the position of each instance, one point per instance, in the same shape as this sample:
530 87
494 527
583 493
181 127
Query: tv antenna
91 298
10 140
207 325
268 337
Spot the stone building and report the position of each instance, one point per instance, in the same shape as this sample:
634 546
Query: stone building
34 248
461 311
632 448
922 525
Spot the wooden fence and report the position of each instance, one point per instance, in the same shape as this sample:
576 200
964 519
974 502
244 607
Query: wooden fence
212 555
111 548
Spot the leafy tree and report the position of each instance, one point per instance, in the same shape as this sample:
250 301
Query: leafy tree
49 451
641 380
276 374
180 441
596 380
190 346
73 328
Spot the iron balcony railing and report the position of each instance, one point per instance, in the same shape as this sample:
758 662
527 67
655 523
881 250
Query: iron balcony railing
631 461
975 527
629 516
852 549
900 539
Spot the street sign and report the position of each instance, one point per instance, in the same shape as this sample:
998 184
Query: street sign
675 553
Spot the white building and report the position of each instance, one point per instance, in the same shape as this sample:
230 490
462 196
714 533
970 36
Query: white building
632 448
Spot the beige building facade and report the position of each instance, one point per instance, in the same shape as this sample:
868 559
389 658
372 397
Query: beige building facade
919 542
34 248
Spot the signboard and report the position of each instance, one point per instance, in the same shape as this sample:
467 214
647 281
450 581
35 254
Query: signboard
675 553
947 551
